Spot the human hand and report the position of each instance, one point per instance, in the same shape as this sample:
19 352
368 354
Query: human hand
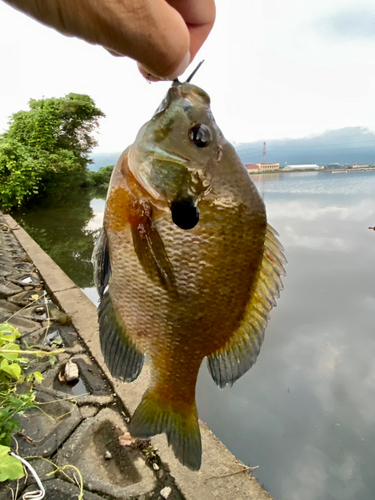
162 35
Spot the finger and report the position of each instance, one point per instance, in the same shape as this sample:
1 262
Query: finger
199 16
149 76
164 51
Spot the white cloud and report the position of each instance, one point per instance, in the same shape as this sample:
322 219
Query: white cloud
270 70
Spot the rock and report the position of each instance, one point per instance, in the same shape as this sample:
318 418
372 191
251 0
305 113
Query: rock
108 455
43 433
165 492
126 440
71 371
155 466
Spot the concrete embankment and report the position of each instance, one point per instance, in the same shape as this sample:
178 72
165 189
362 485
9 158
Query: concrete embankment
152 473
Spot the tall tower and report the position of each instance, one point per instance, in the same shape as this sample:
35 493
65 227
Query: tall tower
264 153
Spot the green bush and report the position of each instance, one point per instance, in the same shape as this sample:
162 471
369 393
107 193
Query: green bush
12 403
47 148
101 177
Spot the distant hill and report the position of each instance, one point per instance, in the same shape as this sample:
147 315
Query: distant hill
103 159
345 146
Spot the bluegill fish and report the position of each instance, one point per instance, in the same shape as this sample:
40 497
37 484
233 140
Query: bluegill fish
185 265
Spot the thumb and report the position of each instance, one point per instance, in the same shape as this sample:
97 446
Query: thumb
162 45
185 25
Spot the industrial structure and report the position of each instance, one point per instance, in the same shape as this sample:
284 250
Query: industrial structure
264 166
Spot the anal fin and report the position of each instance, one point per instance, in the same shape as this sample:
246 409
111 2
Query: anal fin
238 355
123 359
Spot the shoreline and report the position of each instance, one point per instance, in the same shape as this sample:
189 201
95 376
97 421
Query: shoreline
323 170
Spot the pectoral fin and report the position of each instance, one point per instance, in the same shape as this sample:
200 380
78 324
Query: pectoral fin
240 352
151 252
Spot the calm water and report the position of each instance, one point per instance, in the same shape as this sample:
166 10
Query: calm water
305 413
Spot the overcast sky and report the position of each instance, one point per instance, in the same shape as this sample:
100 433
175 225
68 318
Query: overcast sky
274 69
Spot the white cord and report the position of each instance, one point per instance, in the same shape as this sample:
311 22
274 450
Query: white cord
31 495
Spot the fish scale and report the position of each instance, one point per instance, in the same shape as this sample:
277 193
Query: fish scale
186 267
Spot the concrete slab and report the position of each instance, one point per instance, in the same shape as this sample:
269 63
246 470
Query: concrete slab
59 390
42 468
80 400
23 325
43 432
88 411
24 298
9 489
6 310
32 313
24 266
7 289
216 461
55 336
57 489
92 375
25 278
91 380
125 475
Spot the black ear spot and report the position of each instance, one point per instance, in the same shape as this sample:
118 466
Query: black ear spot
184 214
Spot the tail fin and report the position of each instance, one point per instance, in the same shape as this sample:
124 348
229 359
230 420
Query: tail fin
154 416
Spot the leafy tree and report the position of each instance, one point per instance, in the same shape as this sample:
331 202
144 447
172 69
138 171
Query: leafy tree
46 148
101 177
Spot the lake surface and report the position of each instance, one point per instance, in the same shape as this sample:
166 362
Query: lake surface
305 412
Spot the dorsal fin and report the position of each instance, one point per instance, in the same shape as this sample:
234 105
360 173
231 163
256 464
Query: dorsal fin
240 352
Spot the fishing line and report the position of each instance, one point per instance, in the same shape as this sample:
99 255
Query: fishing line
31 495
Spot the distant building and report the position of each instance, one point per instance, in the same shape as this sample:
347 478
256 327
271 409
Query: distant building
311 166
262 167
252 167
333 165
360 166
267 167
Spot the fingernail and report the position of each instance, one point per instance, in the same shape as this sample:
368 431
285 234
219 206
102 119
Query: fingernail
182 67
179 71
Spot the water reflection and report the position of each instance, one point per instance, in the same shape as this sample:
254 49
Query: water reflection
64 228
306 411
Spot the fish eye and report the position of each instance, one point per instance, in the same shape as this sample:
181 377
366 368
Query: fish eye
200 135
